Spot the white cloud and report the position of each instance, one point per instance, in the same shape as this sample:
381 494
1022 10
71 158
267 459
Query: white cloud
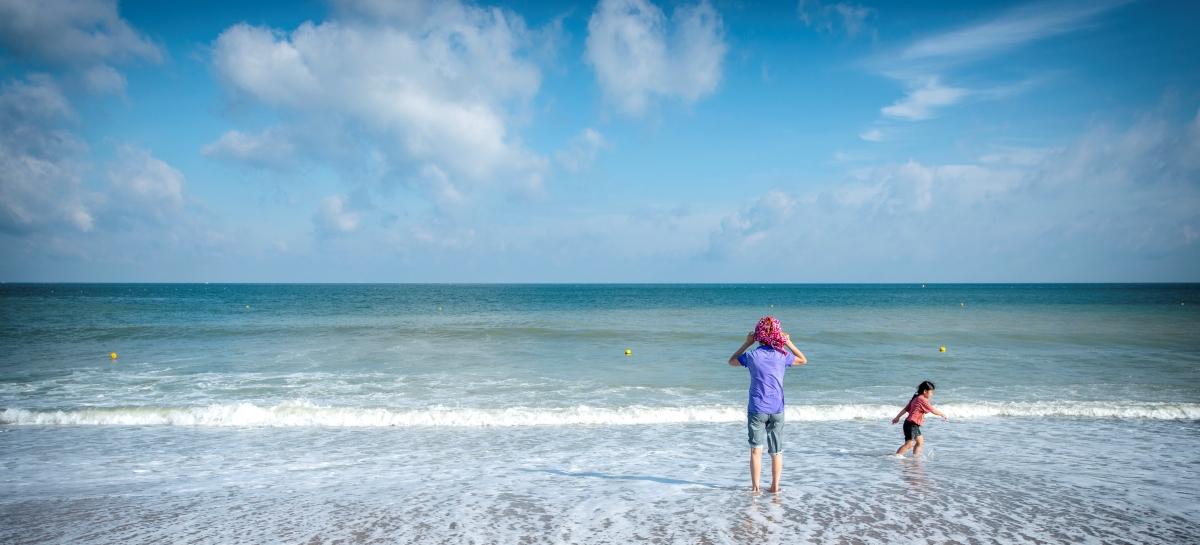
826 17
872 135
923 99
266 64
84 37
335 217
445 193
74 32
145 186
409 15
1024 157
427 84
639 55
37 99
753 227
912 187
40 160
921 64
269 149
102 79
581 151
847 157
141 223
1013 29
51 207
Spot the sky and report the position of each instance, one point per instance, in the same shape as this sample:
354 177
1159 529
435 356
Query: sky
610 141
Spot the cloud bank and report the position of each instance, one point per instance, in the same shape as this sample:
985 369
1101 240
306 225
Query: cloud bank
1113 205
41 159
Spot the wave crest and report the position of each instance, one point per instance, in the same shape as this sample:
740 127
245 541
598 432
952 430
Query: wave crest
303 413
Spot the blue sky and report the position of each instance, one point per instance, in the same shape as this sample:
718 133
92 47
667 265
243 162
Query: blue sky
618 141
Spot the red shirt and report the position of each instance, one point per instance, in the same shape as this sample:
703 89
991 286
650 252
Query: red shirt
917 409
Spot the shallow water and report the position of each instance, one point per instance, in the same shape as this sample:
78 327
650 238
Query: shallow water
991 480
511 415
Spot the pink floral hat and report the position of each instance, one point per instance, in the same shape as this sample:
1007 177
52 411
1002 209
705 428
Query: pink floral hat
769 332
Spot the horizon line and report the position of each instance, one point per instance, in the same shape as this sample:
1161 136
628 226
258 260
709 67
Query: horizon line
1028 283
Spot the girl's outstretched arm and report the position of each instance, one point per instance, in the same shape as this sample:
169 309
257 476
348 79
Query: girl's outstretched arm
899 414
934 410
733 360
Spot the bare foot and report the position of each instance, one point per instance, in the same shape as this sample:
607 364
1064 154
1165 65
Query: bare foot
775 490
756 491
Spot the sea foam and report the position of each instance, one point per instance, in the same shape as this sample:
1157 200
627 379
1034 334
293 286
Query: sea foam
303 413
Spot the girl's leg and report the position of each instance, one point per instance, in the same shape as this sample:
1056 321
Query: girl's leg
920 443
904 448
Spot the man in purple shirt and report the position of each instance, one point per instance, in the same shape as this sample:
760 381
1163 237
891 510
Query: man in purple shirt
764 412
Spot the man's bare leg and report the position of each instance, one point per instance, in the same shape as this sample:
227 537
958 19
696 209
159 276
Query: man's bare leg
776 472
755 468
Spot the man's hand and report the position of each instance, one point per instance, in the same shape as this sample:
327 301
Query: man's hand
750 338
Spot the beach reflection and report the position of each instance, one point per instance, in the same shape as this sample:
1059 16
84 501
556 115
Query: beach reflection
913 473
764 517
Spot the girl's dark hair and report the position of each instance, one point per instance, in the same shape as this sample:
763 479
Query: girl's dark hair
925 387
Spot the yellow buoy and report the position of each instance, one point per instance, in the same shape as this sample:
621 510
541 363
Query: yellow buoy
628 352
942 348
112 355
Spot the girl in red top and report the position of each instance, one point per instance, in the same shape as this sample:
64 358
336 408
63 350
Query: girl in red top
916 409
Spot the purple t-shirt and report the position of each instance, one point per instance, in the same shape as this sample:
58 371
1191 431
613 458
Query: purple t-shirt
766 367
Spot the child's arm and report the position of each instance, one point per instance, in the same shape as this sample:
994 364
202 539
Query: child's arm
934 410
800 359
899 414
733 360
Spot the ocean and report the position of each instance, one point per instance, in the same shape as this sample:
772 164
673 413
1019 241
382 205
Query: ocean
511 414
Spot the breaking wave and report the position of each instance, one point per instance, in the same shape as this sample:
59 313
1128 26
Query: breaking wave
303 413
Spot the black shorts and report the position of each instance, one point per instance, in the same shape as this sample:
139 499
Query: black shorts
911 430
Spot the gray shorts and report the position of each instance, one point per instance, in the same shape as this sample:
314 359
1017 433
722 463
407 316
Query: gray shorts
765 426
911 430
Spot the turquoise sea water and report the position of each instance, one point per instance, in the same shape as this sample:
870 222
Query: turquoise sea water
509 413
